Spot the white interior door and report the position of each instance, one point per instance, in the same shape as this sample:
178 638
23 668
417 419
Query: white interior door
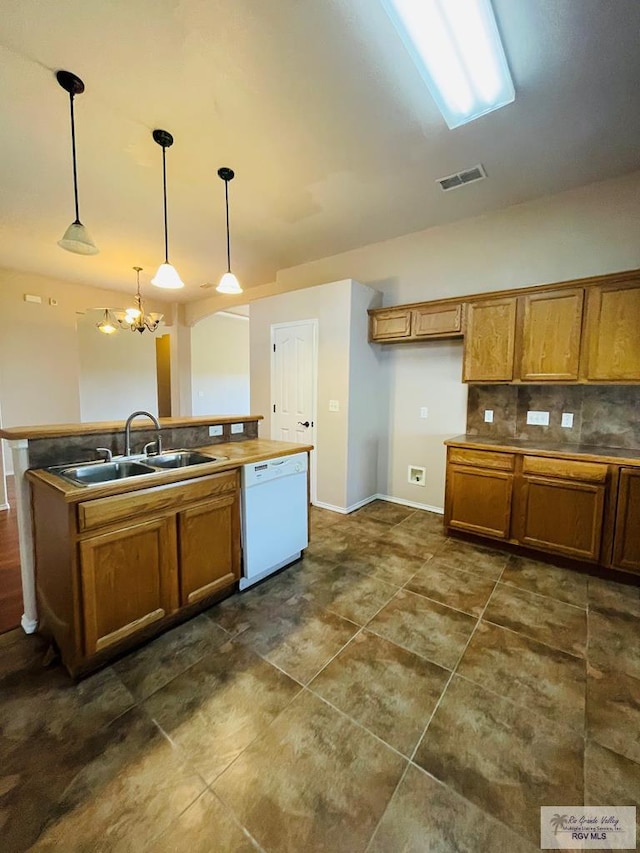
294 356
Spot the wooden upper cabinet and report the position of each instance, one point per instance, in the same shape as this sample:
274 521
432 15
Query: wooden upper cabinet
490 328
550 335
436 321
612 333
416 322
392 324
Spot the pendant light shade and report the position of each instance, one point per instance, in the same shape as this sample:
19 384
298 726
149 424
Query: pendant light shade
106 325
229 284
167 275
76 238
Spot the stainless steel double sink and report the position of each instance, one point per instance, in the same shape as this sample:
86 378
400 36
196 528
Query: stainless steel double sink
89 473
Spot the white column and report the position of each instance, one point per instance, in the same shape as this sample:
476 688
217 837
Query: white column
20 452
4 503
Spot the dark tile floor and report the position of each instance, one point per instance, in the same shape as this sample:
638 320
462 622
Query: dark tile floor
393 691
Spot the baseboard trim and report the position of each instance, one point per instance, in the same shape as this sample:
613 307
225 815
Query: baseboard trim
4 506
346 510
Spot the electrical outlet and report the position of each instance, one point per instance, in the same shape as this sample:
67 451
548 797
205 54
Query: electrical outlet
235 428
424 412
488 416
215 430
538 418
334 405
567 420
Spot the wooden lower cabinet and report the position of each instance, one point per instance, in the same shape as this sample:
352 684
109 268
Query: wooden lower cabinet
209 548
556 505
112 571
562 516
128 581
626 542
478 492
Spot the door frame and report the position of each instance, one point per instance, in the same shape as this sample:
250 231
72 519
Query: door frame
313 436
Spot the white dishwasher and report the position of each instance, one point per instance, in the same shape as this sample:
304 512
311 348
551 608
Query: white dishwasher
275 525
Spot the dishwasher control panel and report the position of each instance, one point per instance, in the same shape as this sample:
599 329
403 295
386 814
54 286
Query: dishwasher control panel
272 469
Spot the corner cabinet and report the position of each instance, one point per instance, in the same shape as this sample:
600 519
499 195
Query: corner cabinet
115 570
418 322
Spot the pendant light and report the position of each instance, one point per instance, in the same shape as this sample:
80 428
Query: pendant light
76 238
106 324
167 275
229 284
134 318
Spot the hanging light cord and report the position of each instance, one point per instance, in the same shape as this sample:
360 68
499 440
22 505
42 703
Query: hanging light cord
75 172
164 193
226 199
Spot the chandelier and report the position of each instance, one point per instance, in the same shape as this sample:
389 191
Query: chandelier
133 319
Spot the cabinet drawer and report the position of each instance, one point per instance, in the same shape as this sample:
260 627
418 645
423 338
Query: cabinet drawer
102 511
567 469
482 458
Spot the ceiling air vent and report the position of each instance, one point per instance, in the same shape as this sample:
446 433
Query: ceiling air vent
467 176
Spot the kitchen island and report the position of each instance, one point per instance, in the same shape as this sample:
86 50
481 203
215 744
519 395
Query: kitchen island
78 540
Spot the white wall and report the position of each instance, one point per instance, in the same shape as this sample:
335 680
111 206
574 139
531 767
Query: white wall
330 305
117 372
587 231
368 400
220 365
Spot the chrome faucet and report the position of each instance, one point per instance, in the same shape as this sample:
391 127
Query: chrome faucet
127 431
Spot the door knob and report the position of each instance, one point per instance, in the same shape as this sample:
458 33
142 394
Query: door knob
304 423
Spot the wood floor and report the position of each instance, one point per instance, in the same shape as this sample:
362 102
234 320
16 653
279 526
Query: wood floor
10 584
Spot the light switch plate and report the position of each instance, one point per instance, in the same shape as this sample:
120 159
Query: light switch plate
567 420
424 412
334 405
538 418
488 416
237 428
215 430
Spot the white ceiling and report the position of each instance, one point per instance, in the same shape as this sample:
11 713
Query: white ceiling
315 104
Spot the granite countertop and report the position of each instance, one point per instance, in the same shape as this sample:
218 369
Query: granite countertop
596 453
239 453
58 430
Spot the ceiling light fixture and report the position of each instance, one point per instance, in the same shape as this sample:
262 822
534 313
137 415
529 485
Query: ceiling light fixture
229 284
167 275
457 48
134 318
106 325
76 238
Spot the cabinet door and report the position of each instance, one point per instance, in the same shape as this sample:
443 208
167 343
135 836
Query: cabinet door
129 581
561 516
436 321
392 324
479 501
209 547
489 340
550 341
626 542
613 342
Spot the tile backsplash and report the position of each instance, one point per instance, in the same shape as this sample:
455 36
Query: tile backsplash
606 415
